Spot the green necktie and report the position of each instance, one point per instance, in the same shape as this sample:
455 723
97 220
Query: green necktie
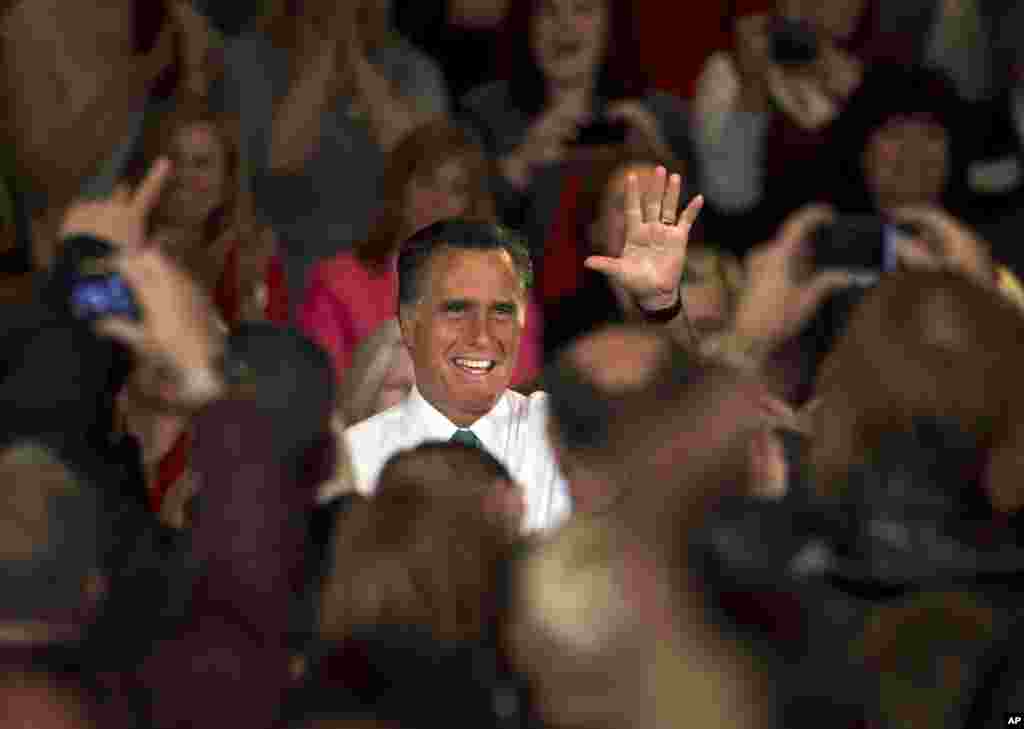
465 436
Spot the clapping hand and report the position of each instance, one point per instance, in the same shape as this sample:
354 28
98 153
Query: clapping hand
652 260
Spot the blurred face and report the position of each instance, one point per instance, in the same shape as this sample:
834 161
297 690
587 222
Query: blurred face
463 334
568 38
906 162
398 382
445 193
608 232
199 184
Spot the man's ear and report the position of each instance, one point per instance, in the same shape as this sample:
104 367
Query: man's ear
407 324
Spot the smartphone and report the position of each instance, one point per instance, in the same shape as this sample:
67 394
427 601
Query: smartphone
103 295
792 42
863 245
602 132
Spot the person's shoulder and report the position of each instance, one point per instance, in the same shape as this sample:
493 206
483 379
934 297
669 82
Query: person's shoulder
376 426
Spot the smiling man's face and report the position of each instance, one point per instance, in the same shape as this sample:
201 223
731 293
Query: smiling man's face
463 333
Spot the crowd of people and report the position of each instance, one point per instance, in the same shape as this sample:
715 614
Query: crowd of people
402 363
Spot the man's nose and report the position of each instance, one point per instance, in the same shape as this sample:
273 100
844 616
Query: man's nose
480 330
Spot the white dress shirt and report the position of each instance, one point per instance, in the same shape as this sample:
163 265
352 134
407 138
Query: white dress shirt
514 432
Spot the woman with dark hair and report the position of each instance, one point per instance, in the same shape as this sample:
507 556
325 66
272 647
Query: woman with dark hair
438 171
711 278
898 142
900 151
573 83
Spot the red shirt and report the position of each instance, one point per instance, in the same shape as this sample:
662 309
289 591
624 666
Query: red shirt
227 298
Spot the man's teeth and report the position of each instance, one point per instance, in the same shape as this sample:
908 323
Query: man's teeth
481 365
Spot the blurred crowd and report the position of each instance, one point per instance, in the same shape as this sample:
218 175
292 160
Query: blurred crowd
581 364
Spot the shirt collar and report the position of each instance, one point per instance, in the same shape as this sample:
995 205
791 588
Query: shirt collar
435 426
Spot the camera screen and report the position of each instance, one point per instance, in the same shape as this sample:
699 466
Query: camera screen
861 245
95 297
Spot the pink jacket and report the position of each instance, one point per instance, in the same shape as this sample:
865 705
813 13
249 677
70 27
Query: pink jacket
345 302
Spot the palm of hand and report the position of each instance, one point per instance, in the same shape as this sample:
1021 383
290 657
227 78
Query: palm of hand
653 258
654 252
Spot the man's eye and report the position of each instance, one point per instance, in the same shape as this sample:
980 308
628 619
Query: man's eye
505 310
454 307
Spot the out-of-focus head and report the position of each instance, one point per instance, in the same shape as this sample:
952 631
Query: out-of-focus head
462 305
627 401
924 344
50 546
601 202
437 171
569 38
589 386
206 188
566 42
428 549
468 475
898 141
295 381
610 637
380 376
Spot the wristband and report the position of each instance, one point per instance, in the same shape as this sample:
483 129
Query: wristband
663 316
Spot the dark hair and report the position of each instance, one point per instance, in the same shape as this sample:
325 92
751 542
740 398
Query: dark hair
418 250
621 74
421 152
293 380
890 91
924 344
421 552
442 464
605 165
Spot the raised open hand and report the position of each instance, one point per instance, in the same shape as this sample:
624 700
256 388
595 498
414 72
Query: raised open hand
651 264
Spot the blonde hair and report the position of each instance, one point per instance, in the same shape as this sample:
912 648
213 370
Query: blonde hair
371 362
598 659
924 344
